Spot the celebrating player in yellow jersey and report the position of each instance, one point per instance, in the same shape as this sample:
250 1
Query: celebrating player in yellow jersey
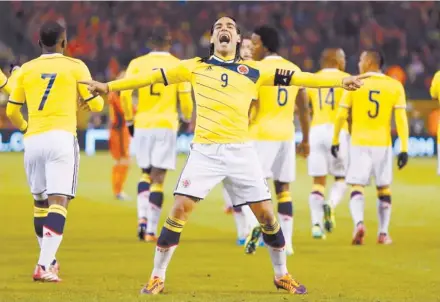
221 151
48 85
272 129
435 94
155 129
325 102
371 146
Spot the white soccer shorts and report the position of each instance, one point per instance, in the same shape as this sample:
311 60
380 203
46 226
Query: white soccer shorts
277 159
320 161
156 148
236 165
51 161
365 162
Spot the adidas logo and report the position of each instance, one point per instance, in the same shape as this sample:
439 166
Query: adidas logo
48 234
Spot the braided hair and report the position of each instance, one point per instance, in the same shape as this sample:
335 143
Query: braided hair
211 45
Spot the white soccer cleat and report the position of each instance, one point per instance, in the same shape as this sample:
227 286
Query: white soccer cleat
42 275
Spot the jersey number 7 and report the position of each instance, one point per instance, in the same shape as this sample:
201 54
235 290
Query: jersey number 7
51 77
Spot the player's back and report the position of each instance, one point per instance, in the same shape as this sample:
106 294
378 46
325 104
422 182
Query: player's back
325 101
274 117
157 106
372 109
50 86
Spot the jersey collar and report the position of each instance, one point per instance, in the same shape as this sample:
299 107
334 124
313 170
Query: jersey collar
53 54
271 57
221 60
163 53
375 73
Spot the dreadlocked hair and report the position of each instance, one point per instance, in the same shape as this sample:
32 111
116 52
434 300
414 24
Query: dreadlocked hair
237 56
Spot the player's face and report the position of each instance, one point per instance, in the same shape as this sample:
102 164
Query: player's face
225 36
363 62
246 49
257 47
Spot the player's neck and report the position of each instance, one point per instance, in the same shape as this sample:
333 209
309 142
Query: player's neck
51 51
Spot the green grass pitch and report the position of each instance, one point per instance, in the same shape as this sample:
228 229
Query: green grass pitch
101 259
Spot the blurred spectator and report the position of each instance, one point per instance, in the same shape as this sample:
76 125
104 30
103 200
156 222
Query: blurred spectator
416 124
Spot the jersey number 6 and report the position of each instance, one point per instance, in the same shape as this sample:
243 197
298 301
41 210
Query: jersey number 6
282 96
51 77
375 113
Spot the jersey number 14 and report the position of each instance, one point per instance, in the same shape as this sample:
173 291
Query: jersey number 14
51 77
329 99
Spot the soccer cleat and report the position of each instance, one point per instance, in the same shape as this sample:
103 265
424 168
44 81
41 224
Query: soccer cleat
41 275
241 241
286 282
317 232
250 246
142 229
329 218
359 233
150 238
289 250
55 267
384 239
123 197
153 287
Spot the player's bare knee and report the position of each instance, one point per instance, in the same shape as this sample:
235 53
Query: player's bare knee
182 207
40 198
61 200
263 211
319 180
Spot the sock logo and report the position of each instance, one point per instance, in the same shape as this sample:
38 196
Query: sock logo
162 250
48 234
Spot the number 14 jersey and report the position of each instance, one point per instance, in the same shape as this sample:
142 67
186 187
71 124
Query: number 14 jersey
48 85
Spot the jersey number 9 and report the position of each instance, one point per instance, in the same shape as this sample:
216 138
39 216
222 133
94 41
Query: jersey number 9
329 99
224 80
51 77
373 113
282 96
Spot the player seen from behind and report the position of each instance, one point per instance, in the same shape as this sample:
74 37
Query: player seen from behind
325 102
155 129
273 130
371 150
221 151
48 86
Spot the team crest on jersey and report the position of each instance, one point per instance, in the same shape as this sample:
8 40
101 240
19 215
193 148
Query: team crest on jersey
186 183
243 69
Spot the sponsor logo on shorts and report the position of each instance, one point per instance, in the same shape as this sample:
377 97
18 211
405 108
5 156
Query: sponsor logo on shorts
186 183
243 69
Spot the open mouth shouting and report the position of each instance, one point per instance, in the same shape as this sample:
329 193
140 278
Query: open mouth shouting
224 38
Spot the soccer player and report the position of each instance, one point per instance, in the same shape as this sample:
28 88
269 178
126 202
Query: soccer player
435 94
155 129
48 85
325 102
370 147
273 130
119 143
221 152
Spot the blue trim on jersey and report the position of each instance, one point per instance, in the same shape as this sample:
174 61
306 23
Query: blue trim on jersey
253 74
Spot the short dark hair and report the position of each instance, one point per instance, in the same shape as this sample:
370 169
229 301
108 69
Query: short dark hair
160 35
269 37
50 33
377 56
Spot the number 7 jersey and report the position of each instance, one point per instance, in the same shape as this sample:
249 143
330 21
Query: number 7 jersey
48 85
273 120
325 101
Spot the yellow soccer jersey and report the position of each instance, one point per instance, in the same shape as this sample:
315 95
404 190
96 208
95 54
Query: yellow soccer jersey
372 108
48 84
435 94
157 103
273 120
223 92
325 101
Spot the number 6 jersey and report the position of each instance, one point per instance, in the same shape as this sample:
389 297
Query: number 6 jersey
48 85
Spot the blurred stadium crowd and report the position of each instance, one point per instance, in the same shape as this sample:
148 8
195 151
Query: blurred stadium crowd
107 35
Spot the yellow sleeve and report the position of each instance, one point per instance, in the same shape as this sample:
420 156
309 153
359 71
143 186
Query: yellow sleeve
127 95
185 100
16 101
95 102
176 75
342 115
435 86
286 77
401 119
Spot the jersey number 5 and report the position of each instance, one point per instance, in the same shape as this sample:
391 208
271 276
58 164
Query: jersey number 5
329 99
51 77
375 113
282 96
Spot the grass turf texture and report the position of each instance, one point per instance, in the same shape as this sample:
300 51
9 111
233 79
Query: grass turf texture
101 259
